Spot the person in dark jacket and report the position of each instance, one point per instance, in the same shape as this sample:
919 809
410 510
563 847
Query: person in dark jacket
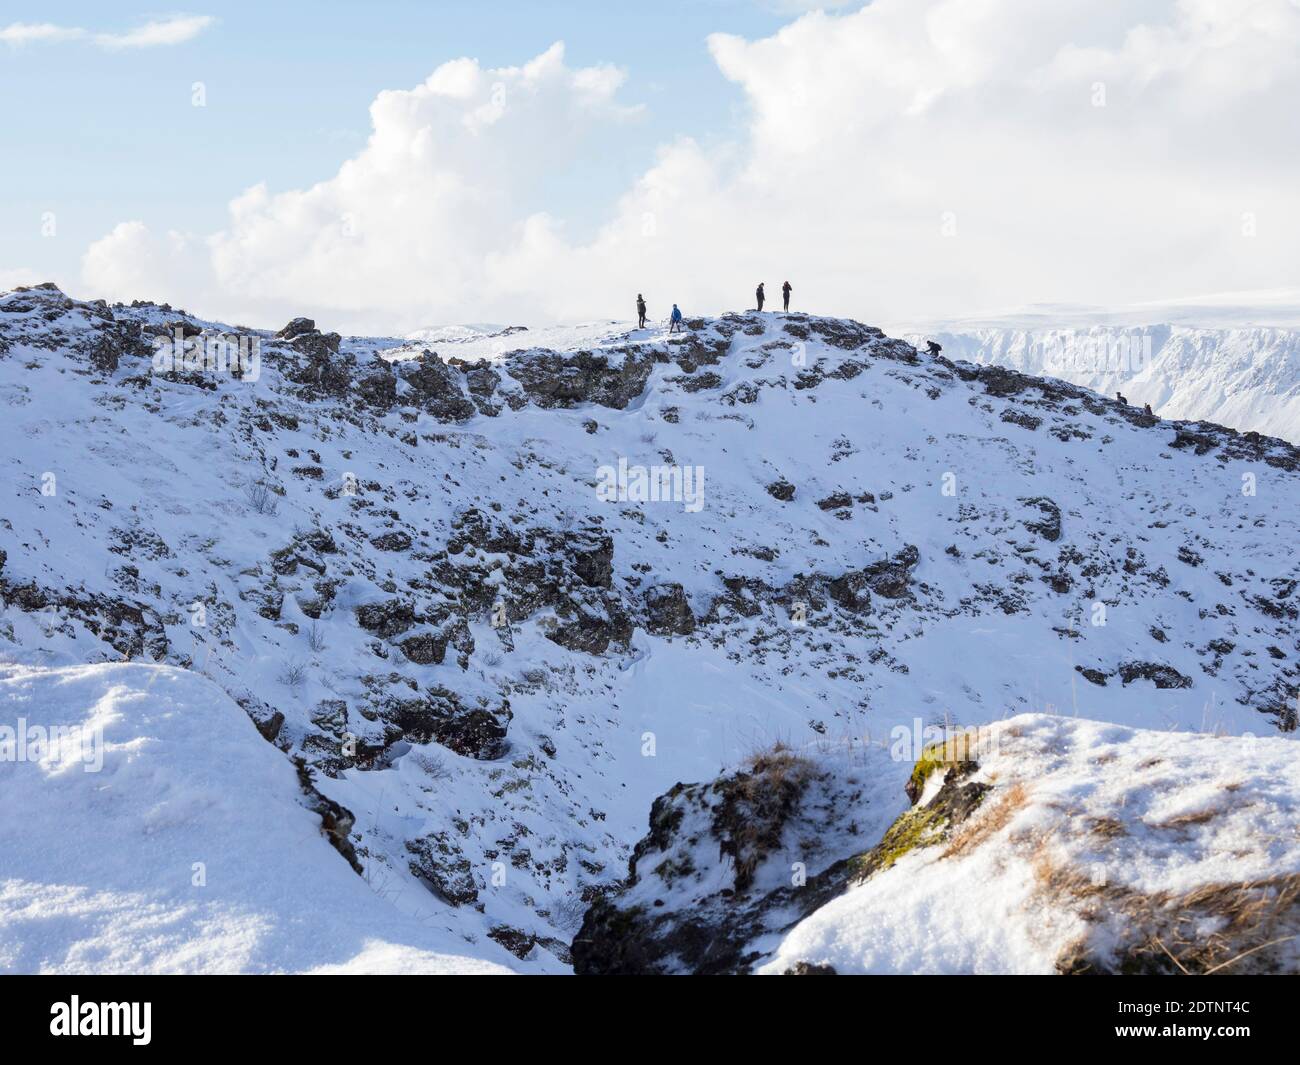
933 347
758 295
640 311
675 322
785 291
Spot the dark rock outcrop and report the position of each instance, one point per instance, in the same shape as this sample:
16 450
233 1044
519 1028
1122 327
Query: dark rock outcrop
439 865
440 717
336 820
668 613
1049 525
425 648
556 379
386 619
892 577
437 388
1161 676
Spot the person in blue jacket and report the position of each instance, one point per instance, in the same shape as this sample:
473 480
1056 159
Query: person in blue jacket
676 320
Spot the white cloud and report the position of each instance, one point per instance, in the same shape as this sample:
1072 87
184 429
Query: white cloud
403 231
130 260
174 30
915 158
14 278
28 32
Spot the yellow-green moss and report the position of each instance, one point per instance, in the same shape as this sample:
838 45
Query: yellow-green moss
916 828
930 760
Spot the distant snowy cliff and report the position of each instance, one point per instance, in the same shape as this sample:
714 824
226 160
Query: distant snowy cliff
1247 378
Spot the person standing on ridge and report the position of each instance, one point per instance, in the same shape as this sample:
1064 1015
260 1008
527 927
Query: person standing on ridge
785 291
758 295
640 311
676 320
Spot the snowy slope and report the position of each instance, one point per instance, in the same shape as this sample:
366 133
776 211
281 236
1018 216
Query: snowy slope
1095 848
1247 377
170 837
1038 844
400 567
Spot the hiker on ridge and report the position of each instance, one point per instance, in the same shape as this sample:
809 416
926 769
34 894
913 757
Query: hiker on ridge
785 291
640 311
675 323
758 295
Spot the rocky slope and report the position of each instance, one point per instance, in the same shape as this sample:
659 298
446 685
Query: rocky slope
420 578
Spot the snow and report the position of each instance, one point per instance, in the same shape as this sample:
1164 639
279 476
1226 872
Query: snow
1194 811
189 850
151 510
493 341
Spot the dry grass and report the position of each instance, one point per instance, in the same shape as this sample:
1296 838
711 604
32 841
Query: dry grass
1186 820
775 763
1165 931
1107 827
756 805
997 817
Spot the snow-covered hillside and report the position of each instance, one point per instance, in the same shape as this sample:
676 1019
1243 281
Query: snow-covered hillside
437 583
160 833
1087 848
1246 377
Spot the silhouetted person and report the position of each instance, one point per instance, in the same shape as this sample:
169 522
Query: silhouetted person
785 291
1120 396
934 348
1147 410
675 322
640 311
758 295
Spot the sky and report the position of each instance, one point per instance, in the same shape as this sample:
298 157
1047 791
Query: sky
388 166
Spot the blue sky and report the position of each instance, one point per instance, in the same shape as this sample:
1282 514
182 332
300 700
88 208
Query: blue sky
903 161
108 135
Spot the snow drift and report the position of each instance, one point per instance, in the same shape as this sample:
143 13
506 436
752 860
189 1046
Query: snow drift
1091 849
181 844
